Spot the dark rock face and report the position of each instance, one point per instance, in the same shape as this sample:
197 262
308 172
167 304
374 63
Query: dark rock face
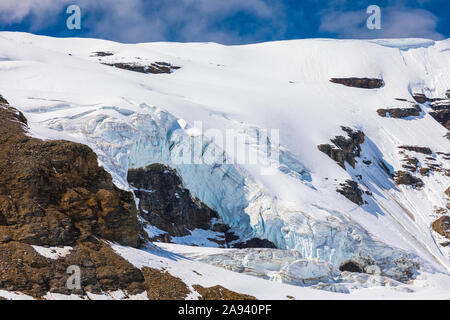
256 243
352 192
102 54
54 192
347 148
411 164
443 117
424 150
421 98
400 113
167 205
406 178
164 202
440 106
442 226
351 266
363 83
154 68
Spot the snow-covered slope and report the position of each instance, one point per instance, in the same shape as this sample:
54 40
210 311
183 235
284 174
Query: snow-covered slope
132 119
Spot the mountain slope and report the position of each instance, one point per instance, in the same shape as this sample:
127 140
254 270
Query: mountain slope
184 95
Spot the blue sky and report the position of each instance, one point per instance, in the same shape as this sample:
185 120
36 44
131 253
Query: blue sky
227 21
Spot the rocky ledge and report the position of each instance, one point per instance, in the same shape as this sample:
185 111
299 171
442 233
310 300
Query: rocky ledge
153 68
400 113
347 149
363 83
440 107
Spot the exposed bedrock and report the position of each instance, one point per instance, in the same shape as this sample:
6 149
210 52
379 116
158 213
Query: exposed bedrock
54 192
442 226
352 192
400 113
443 117
418 149
153 68
167 205
406 178
440 107
164 203
363 83
345 149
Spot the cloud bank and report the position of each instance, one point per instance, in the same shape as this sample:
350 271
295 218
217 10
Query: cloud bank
396 22
223 21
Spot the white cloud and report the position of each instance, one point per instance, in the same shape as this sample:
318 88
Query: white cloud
396 22
144 20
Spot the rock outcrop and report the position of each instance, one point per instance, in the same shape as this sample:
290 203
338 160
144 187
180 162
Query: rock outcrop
54 192
400 113
153 68
406 178
363 83
347 148
166 204
443 117
352 192
220 293
23 269
440 107
442 226
424 150
422 98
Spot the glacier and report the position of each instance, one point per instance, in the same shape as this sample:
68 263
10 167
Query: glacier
132 120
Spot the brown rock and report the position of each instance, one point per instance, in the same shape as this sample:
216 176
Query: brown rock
154 68
424 150
162 285
220 293
54 192
443 117
166 204
22 269
363 83
442 226
347 148
406 178
352 192
400 113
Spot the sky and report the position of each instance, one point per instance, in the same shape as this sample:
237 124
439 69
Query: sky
227 21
